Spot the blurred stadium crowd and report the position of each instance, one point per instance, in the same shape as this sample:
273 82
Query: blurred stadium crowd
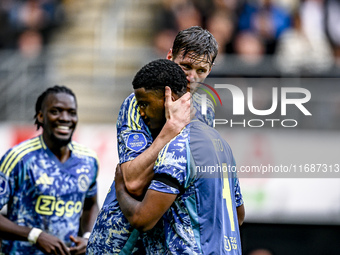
299 35
257 38
25 25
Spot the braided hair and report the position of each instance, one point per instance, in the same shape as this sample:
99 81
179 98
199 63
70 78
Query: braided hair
52 90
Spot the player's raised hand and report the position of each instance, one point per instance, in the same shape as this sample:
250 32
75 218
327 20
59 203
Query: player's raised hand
177 112
80 247
51 245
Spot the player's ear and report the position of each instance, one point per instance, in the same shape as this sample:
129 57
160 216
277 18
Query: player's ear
174 96
169 93
211 67
169 56
40 117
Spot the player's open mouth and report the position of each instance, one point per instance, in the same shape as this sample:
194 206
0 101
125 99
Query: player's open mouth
63 129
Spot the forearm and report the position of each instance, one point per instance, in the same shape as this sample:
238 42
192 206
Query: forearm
145 214
44 242
138 173
11 231
90 212
128 205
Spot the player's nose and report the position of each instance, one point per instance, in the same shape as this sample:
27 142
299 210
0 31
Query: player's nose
65 116
191 77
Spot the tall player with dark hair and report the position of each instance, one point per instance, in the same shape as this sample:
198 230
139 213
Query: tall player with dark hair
198 206
49 183
194 50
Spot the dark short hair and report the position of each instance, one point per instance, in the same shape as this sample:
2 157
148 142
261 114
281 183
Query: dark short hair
196 41
160 73
52 90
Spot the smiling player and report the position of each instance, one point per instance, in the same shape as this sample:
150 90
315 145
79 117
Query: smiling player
48 183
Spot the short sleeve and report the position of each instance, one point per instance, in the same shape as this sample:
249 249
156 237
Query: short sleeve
237 188
238 194
9 176
171 165
133 136
93 189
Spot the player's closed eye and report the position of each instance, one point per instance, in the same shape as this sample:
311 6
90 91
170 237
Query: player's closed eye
142 105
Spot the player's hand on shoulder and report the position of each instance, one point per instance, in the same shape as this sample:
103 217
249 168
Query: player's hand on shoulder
80 243
177 112
51 245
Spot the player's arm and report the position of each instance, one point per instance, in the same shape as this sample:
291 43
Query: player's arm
239 202
142 215
138 172
45 242
240 214
88 218
90 212
10 230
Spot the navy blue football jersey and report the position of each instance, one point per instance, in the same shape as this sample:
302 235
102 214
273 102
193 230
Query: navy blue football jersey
42 192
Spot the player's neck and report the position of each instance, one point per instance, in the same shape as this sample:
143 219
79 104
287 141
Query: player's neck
58 148
62 153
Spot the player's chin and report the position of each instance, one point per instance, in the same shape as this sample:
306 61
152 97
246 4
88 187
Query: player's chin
157 124
193 87
155 128
62 140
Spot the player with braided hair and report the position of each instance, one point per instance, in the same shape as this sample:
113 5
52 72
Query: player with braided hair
49 183
52 90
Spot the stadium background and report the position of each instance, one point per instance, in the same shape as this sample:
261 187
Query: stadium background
95 48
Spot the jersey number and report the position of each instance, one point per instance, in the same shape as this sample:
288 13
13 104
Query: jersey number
227 197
